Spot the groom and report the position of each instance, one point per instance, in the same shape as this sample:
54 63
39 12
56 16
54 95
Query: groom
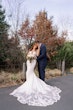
42 60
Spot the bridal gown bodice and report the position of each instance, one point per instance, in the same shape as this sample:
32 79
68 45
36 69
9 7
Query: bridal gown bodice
30 69
34 91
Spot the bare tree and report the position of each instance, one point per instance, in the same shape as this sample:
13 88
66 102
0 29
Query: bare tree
16 15
66 25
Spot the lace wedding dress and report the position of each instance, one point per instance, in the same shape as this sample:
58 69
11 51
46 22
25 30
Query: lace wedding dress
34 91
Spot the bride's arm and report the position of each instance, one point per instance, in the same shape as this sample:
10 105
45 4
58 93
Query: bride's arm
38 51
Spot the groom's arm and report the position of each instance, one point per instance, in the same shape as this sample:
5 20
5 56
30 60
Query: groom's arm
43 53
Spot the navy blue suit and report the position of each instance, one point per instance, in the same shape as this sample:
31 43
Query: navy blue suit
42 62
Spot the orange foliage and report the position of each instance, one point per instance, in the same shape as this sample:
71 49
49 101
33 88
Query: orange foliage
47 33
26 31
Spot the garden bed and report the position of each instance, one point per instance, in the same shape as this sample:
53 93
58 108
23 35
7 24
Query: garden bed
12 79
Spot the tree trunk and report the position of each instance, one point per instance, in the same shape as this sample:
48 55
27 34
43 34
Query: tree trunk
59 65
24 70
63 66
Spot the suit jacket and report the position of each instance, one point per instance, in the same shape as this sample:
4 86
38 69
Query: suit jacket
42 58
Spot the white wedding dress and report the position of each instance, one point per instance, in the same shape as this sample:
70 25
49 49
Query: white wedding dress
34 91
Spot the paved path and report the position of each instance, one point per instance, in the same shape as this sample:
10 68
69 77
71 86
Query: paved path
65 83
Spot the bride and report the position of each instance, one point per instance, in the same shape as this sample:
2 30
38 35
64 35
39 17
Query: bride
34 91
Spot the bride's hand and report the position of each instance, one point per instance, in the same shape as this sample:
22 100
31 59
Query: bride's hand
34 47
38 50
38 46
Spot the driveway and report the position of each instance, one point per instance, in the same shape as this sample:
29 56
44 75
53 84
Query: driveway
65 83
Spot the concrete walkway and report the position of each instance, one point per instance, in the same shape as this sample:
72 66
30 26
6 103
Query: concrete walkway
65 83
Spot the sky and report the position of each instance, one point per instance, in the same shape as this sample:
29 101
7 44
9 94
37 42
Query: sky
61 10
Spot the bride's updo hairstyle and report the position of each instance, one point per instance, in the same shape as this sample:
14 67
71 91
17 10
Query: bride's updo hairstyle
30 47
36 43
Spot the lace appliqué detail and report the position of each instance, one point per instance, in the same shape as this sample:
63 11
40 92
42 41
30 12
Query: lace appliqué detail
38 98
